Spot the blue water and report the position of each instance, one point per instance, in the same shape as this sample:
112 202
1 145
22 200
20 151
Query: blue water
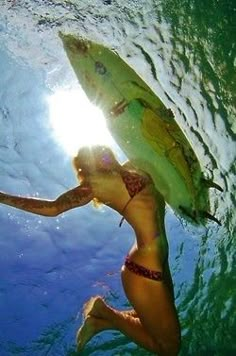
50 267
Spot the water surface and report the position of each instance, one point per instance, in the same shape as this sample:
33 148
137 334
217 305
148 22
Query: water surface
185 50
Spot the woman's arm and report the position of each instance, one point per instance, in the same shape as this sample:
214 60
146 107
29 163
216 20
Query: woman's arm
73 198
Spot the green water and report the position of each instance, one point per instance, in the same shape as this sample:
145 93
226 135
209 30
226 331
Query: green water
206 29
206 33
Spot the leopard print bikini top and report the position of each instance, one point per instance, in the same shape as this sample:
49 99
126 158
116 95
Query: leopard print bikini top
134 183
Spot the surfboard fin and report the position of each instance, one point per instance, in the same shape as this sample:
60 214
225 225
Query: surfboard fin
203 214
207 215
210 184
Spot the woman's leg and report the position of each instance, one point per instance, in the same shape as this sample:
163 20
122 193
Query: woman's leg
89 306
153 325
102 317
153 301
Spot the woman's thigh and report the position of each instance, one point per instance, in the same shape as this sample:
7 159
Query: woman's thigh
153 302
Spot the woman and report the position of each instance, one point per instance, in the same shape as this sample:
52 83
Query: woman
153 321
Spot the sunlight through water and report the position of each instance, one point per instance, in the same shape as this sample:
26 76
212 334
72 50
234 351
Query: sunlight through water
76 122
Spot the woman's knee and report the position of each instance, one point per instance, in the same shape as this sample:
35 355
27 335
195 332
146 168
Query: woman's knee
168 347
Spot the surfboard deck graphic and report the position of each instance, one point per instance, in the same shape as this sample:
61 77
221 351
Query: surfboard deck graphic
142 126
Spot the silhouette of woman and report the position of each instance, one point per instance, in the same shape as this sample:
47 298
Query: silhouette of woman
153 321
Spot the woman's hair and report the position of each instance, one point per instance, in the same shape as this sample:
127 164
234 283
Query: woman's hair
94 159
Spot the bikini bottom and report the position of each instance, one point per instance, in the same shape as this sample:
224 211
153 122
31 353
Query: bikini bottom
143 271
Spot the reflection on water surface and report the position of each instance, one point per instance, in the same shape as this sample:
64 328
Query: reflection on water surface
186 52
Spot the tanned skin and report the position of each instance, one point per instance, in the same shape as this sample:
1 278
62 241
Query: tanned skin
152 322
73 198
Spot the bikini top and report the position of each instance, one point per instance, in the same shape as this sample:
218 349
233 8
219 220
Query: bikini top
134 183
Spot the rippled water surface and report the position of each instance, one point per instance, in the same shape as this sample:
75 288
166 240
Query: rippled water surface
186 52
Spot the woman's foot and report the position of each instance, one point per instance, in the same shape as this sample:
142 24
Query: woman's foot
94 307
93 321
89 328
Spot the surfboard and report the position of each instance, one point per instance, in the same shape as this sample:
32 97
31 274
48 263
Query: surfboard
144 128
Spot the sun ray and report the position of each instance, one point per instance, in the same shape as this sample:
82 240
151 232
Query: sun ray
75 122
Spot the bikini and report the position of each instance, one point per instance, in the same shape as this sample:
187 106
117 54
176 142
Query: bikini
134 184
142 271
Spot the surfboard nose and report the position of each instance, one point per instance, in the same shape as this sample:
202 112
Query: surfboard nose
77 45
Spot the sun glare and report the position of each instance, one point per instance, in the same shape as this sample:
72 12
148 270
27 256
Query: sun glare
76 122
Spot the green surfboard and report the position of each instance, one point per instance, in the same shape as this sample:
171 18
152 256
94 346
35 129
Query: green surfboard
142 126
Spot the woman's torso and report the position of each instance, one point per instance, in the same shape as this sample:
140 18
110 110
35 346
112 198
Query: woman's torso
142 207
